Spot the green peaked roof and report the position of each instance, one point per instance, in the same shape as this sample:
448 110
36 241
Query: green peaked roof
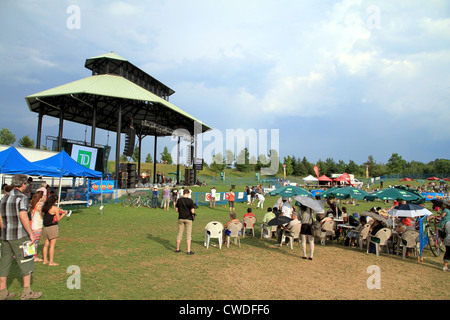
109 87
110 55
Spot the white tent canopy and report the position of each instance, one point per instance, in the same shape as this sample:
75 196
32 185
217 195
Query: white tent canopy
310 178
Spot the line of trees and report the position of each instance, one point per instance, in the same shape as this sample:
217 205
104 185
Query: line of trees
301 167
295 166
8 138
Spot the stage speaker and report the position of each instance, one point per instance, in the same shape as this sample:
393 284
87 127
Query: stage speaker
129 142
131 170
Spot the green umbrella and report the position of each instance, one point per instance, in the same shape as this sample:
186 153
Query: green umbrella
329 193
348 193
394 194
290 191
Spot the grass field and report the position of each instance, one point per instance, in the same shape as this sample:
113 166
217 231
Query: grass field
129 253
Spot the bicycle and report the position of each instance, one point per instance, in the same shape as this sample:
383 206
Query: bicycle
141 201
434 241
127 201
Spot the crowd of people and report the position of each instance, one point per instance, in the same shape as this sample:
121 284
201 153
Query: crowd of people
306 217
28 217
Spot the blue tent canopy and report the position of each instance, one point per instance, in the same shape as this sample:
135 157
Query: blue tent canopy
67 166
12 162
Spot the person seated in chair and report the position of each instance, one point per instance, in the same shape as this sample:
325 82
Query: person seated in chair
264 226
227 232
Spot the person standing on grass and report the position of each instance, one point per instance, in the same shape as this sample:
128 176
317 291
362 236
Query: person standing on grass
155 196
52 215
186 212
212 201
166 198
306 219
447 245
36 218
16 230
231 199
174 196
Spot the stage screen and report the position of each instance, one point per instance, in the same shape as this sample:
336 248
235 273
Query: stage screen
86 156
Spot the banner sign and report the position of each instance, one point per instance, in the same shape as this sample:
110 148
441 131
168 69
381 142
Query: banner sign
99 186
85 156
432 195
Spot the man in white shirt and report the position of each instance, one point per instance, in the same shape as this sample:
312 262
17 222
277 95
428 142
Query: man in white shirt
286 209
260 200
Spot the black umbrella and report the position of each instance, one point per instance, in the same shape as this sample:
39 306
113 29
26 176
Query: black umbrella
278 221
439 203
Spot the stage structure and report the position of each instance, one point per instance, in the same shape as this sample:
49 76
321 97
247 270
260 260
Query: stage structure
116 97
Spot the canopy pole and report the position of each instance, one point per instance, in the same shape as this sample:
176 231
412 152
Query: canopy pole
118 131
39 130
59 193
178 161
60 133
154 159
139 155
94 119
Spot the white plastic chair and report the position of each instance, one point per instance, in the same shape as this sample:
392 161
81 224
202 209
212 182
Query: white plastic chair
292 234
270 230
382 234
235 229
249 224
410 238
214 230
328 229
362 235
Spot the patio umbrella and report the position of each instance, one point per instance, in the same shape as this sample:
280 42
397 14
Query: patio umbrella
439 203
350 193
278 221
410 211
316 205
329 193
290 191
376 216
394 194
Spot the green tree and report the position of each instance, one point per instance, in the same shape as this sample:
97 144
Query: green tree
218 163
289 167
442 166
331 167
149 158
229 158
26 142
243 161
396 164
7 137
166 156
135 155
309 167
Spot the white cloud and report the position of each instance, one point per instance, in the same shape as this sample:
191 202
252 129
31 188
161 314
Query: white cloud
256 63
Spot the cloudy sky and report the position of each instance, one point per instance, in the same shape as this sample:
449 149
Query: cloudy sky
338 79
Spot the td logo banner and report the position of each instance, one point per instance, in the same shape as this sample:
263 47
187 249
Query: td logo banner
85 156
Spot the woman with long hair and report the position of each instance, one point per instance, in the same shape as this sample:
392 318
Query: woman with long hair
51 216
36 218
